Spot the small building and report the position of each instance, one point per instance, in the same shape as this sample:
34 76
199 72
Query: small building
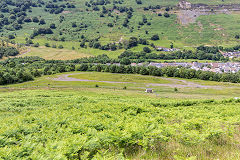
149 90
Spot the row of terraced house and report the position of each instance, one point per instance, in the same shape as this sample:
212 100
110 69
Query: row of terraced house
230 67
213 67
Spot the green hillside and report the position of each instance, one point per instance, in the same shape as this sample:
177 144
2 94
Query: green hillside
70 23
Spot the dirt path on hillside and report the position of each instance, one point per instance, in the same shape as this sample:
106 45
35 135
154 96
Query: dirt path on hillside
174 84
28 50
186 84
66 77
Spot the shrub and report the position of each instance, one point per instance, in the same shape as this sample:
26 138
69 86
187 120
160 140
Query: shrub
36 45
166 15
42 22
11 36
110 25
147 50
35 20
47 45
155 37
53 26
60 46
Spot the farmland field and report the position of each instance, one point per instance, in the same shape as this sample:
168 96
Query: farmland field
50 119
52 53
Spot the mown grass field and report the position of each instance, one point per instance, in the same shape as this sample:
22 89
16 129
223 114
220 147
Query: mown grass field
48 119
54 53
187 89
119 77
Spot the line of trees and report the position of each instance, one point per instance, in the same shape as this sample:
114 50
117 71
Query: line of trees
186 54
19 70
170 71
127 44
232 49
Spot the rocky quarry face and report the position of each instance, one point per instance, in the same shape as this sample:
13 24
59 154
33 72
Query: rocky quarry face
189 12
185 5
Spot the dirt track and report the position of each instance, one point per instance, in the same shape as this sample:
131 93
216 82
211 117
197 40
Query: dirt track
28 50
175 82
66 77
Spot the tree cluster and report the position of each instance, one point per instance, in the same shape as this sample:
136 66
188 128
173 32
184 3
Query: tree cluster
53 8
200 55
138 1
41 31
97 45
8 51
231 49
152 7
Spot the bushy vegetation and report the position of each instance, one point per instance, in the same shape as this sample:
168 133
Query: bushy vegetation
232 49
42 31
39 124
8 51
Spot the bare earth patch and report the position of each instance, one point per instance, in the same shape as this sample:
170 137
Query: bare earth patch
190 16
66 12
188 13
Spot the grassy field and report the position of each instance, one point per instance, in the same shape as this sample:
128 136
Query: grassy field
49 119
163 87
67 52
119 77
54 53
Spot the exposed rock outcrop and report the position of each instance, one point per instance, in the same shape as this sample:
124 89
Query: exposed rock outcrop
184 5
